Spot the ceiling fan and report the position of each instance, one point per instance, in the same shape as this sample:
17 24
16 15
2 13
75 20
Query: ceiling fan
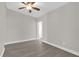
29 6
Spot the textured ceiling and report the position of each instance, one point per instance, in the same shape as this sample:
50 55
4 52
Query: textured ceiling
45 7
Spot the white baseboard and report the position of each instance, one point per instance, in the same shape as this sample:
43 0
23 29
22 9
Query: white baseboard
19 41
2 52
63 48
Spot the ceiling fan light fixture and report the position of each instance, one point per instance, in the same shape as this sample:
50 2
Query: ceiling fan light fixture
29 7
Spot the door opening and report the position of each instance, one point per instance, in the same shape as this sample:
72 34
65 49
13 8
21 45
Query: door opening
39 29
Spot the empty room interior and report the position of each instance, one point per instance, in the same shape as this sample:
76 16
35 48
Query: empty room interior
39 29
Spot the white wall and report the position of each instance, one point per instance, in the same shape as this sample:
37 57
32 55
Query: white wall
63 26
2 27
19 27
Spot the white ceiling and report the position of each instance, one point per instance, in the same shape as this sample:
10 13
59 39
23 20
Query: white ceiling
45 7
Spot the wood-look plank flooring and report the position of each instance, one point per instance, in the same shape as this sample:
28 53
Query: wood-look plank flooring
34 48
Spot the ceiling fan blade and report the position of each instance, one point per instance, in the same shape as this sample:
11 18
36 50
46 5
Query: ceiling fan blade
28 3
21 7
32 3
35 8
23 3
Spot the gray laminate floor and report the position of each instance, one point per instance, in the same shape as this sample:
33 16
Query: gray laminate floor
34 48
